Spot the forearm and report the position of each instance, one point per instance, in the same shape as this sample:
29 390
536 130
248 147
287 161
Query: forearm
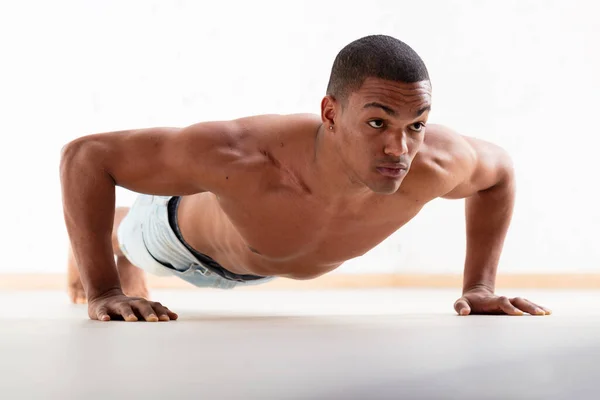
88 194
488 216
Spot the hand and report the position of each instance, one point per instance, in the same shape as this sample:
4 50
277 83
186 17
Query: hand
115 304
484 301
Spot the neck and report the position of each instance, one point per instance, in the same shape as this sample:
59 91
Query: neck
335 180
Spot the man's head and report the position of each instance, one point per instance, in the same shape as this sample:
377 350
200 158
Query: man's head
377 104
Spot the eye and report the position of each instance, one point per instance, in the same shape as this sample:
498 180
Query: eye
376 123
417 127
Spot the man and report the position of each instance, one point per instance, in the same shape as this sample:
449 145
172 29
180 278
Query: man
239 202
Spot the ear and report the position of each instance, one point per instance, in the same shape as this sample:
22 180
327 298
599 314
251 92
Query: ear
328 110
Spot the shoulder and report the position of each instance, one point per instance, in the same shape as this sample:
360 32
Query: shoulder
455 165
444 153
271 126
244 137
444 159
253 150
282 145
445 150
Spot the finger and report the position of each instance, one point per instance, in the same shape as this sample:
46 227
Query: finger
102 314
127 313
171 314
462 307
145 310
505 305
547 311
527 306
163 312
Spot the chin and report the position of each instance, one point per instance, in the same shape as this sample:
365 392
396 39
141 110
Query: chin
386 192
387 188
384 186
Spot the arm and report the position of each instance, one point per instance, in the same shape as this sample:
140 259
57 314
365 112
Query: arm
489 189
158 161
488 184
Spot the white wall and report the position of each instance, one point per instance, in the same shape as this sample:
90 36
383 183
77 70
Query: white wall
523 74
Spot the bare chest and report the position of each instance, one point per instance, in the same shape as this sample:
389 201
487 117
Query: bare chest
286 227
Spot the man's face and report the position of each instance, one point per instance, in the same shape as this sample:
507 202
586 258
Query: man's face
381 129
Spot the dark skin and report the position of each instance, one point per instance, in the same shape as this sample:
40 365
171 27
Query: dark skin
292 196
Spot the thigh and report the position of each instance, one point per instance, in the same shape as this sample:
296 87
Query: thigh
120 214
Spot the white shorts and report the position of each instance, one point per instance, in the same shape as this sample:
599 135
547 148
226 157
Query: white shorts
148 241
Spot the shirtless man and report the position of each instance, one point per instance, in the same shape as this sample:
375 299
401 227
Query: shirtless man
240 202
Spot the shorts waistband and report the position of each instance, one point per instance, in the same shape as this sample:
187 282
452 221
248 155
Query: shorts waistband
207 261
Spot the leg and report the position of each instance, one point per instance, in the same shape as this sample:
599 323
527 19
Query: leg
133 279
74 286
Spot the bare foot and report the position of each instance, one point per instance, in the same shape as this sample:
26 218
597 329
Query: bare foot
74 286
76 293
133 279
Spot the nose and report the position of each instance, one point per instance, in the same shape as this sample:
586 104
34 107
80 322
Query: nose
396 145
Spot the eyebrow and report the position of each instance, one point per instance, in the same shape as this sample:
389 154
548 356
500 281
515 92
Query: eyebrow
385 108
422 110
391 111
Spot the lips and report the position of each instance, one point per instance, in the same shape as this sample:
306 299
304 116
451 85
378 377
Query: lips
394 166
392 172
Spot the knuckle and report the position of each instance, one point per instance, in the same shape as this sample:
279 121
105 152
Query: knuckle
141 304
124 308
503 299
146 309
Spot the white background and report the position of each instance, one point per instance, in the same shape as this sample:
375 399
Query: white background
523 74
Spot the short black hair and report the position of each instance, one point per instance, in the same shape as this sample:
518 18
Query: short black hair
374 56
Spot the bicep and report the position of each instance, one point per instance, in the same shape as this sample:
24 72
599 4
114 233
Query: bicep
165 161
481 166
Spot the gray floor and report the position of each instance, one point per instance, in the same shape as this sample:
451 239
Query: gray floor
386 344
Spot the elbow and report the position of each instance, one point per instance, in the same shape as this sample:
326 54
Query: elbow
69 151
73 153
507 170
79 155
